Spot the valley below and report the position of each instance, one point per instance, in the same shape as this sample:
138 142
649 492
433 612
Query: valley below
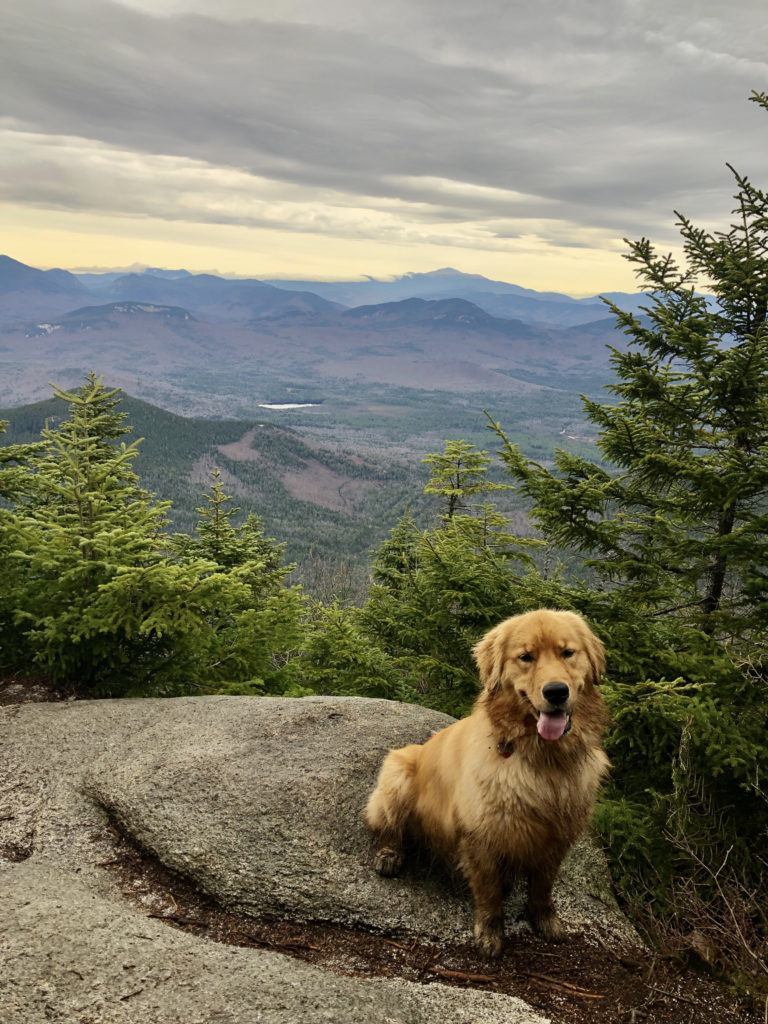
316 413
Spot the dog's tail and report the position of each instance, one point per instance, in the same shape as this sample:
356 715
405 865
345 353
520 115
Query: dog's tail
391 802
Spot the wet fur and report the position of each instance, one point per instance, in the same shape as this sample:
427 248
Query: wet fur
490 815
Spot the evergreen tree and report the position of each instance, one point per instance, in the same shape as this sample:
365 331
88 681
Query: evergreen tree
683 523
100 600
251 641
229 546
459 474
85 518
16 483
435 592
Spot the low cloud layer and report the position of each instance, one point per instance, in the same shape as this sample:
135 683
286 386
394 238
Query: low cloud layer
574 122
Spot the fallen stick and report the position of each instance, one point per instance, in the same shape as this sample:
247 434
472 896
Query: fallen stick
566 985
673 995
462 975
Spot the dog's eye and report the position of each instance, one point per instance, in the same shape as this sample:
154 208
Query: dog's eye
527 658
568 653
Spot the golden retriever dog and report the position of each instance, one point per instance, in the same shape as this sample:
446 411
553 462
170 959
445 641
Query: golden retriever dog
511 787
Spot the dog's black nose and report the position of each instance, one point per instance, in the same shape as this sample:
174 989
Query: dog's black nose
556 693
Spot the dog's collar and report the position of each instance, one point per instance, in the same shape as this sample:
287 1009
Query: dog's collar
506 748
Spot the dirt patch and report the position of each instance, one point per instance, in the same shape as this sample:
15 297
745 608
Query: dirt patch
322 486
576 982
201 474
242 450
27 690
312 482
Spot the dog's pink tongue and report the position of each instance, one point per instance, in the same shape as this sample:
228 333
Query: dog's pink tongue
552 727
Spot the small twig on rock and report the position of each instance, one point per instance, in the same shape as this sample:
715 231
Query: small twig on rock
399 945
462 975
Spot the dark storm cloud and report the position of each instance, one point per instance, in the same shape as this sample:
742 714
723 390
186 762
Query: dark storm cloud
604 114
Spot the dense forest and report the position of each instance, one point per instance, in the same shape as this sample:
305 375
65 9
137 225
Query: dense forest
667 544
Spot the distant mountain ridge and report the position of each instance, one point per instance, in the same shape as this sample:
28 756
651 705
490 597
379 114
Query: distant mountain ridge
499 298
95 317
28 292
15 276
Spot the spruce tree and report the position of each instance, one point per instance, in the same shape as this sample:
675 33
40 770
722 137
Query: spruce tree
249 641
17 483
101 601
86 519
677 514
459 474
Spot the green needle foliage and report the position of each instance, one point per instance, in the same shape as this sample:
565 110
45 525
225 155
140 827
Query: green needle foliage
459 473
252 639
100 600
435 592
680 507
84 520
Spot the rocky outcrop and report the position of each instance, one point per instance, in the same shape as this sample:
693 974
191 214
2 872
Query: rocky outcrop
258 802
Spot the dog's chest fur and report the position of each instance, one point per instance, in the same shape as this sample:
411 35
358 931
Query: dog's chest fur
525 803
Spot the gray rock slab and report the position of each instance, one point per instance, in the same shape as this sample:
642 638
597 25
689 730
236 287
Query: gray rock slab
69 954
259 803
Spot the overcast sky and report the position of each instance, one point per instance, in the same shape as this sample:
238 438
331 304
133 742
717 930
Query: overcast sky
338 138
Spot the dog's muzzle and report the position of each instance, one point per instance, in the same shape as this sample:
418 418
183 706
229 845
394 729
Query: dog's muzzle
555 723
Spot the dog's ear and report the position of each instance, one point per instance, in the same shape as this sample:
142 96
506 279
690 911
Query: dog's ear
595 655
489 655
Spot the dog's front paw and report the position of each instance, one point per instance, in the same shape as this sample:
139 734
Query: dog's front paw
490 938
549 927
388 861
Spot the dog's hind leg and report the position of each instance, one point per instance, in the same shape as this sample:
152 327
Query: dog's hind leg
390 806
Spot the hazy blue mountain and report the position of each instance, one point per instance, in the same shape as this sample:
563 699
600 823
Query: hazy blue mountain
26 292
15 276
438 314
92 318
497 297
218 298
100 282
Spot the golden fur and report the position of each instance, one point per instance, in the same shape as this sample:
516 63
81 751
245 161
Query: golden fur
500 791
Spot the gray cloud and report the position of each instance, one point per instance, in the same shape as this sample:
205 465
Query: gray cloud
592 114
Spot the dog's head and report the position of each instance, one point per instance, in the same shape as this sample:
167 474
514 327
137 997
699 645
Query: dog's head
544 664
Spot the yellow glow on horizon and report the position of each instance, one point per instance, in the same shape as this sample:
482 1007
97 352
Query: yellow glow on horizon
74 240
